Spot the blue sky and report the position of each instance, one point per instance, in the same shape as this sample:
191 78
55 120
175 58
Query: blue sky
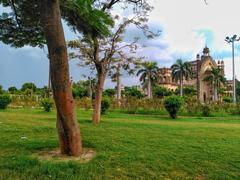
187 26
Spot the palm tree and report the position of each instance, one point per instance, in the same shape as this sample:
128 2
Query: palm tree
180 71
148 74
216 79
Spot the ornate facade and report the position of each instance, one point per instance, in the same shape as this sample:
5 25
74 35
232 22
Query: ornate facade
200 68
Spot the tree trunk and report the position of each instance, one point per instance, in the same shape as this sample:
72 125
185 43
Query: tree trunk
90 88
68 129
181 86
215 94
149 87
49 81
119 86
98 98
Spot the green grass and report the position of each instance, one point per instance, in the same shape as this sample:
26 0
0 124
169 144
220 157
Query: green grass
128 147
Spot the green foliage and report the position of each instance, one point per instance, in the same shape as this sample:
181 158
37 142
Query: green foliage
227 99
134 105
206 110
109 92
12 90
79 92
5 100
161 92
47 104
173 104
216 79
105 105
21 26
30 86
133 92
148 72
238 90
188 91
1 90
181 70
86 18
80 89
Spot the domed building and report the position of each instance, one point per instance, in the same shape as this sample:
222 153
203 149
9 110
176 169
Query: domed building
200 68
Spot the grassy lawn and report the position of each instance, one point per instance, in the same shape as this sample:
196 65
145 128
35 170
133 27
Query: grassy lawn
128 147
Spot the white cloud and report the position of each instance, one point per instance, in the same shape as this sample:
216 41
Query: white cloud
183 21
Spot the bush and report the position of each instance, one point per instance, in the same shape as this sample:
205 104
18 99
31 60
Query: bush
206 110
227 99
105 105
47 105
132 92
172 105
161 92
109 93
5 100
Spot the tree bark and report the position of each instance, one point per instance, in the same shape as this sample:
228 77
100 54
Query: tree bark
149 87
181 86
49 81
215 94
98 98
68 129
119 85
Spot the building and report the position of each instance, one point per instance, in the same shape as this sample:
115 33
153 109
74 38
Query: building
200 68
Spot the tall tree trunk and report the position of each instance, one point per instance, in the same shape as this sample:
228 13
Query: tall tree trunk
98 98
90 88
215 94
49 81
68 129
119 85
149 87
181 86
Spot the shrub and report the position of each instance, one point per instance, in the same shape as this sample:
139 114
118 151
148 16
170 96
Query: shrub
47 105
5 100
1 89
132 92
109 93
227 99
172 105
206 110
193 103
105 105
161 92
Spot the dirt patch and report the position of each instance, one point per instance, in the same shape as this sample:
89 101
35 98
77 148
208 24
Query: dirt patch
56 156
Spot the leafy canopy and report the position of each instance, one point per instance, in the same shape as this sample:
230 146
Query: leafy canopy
22 26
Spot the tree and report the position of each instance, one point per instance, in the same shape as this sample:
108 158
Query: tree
99 50
216 79
181 71
99 53
161 92
132 92
12 90
1 89
148 75
238 89
109 92
188 90
124 63
30 86
36 23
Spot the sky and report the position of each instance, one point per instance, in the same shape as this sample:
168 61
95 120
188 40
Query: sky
187 27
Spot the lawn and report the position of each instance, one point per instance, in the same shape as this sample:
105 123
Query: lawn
127 146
